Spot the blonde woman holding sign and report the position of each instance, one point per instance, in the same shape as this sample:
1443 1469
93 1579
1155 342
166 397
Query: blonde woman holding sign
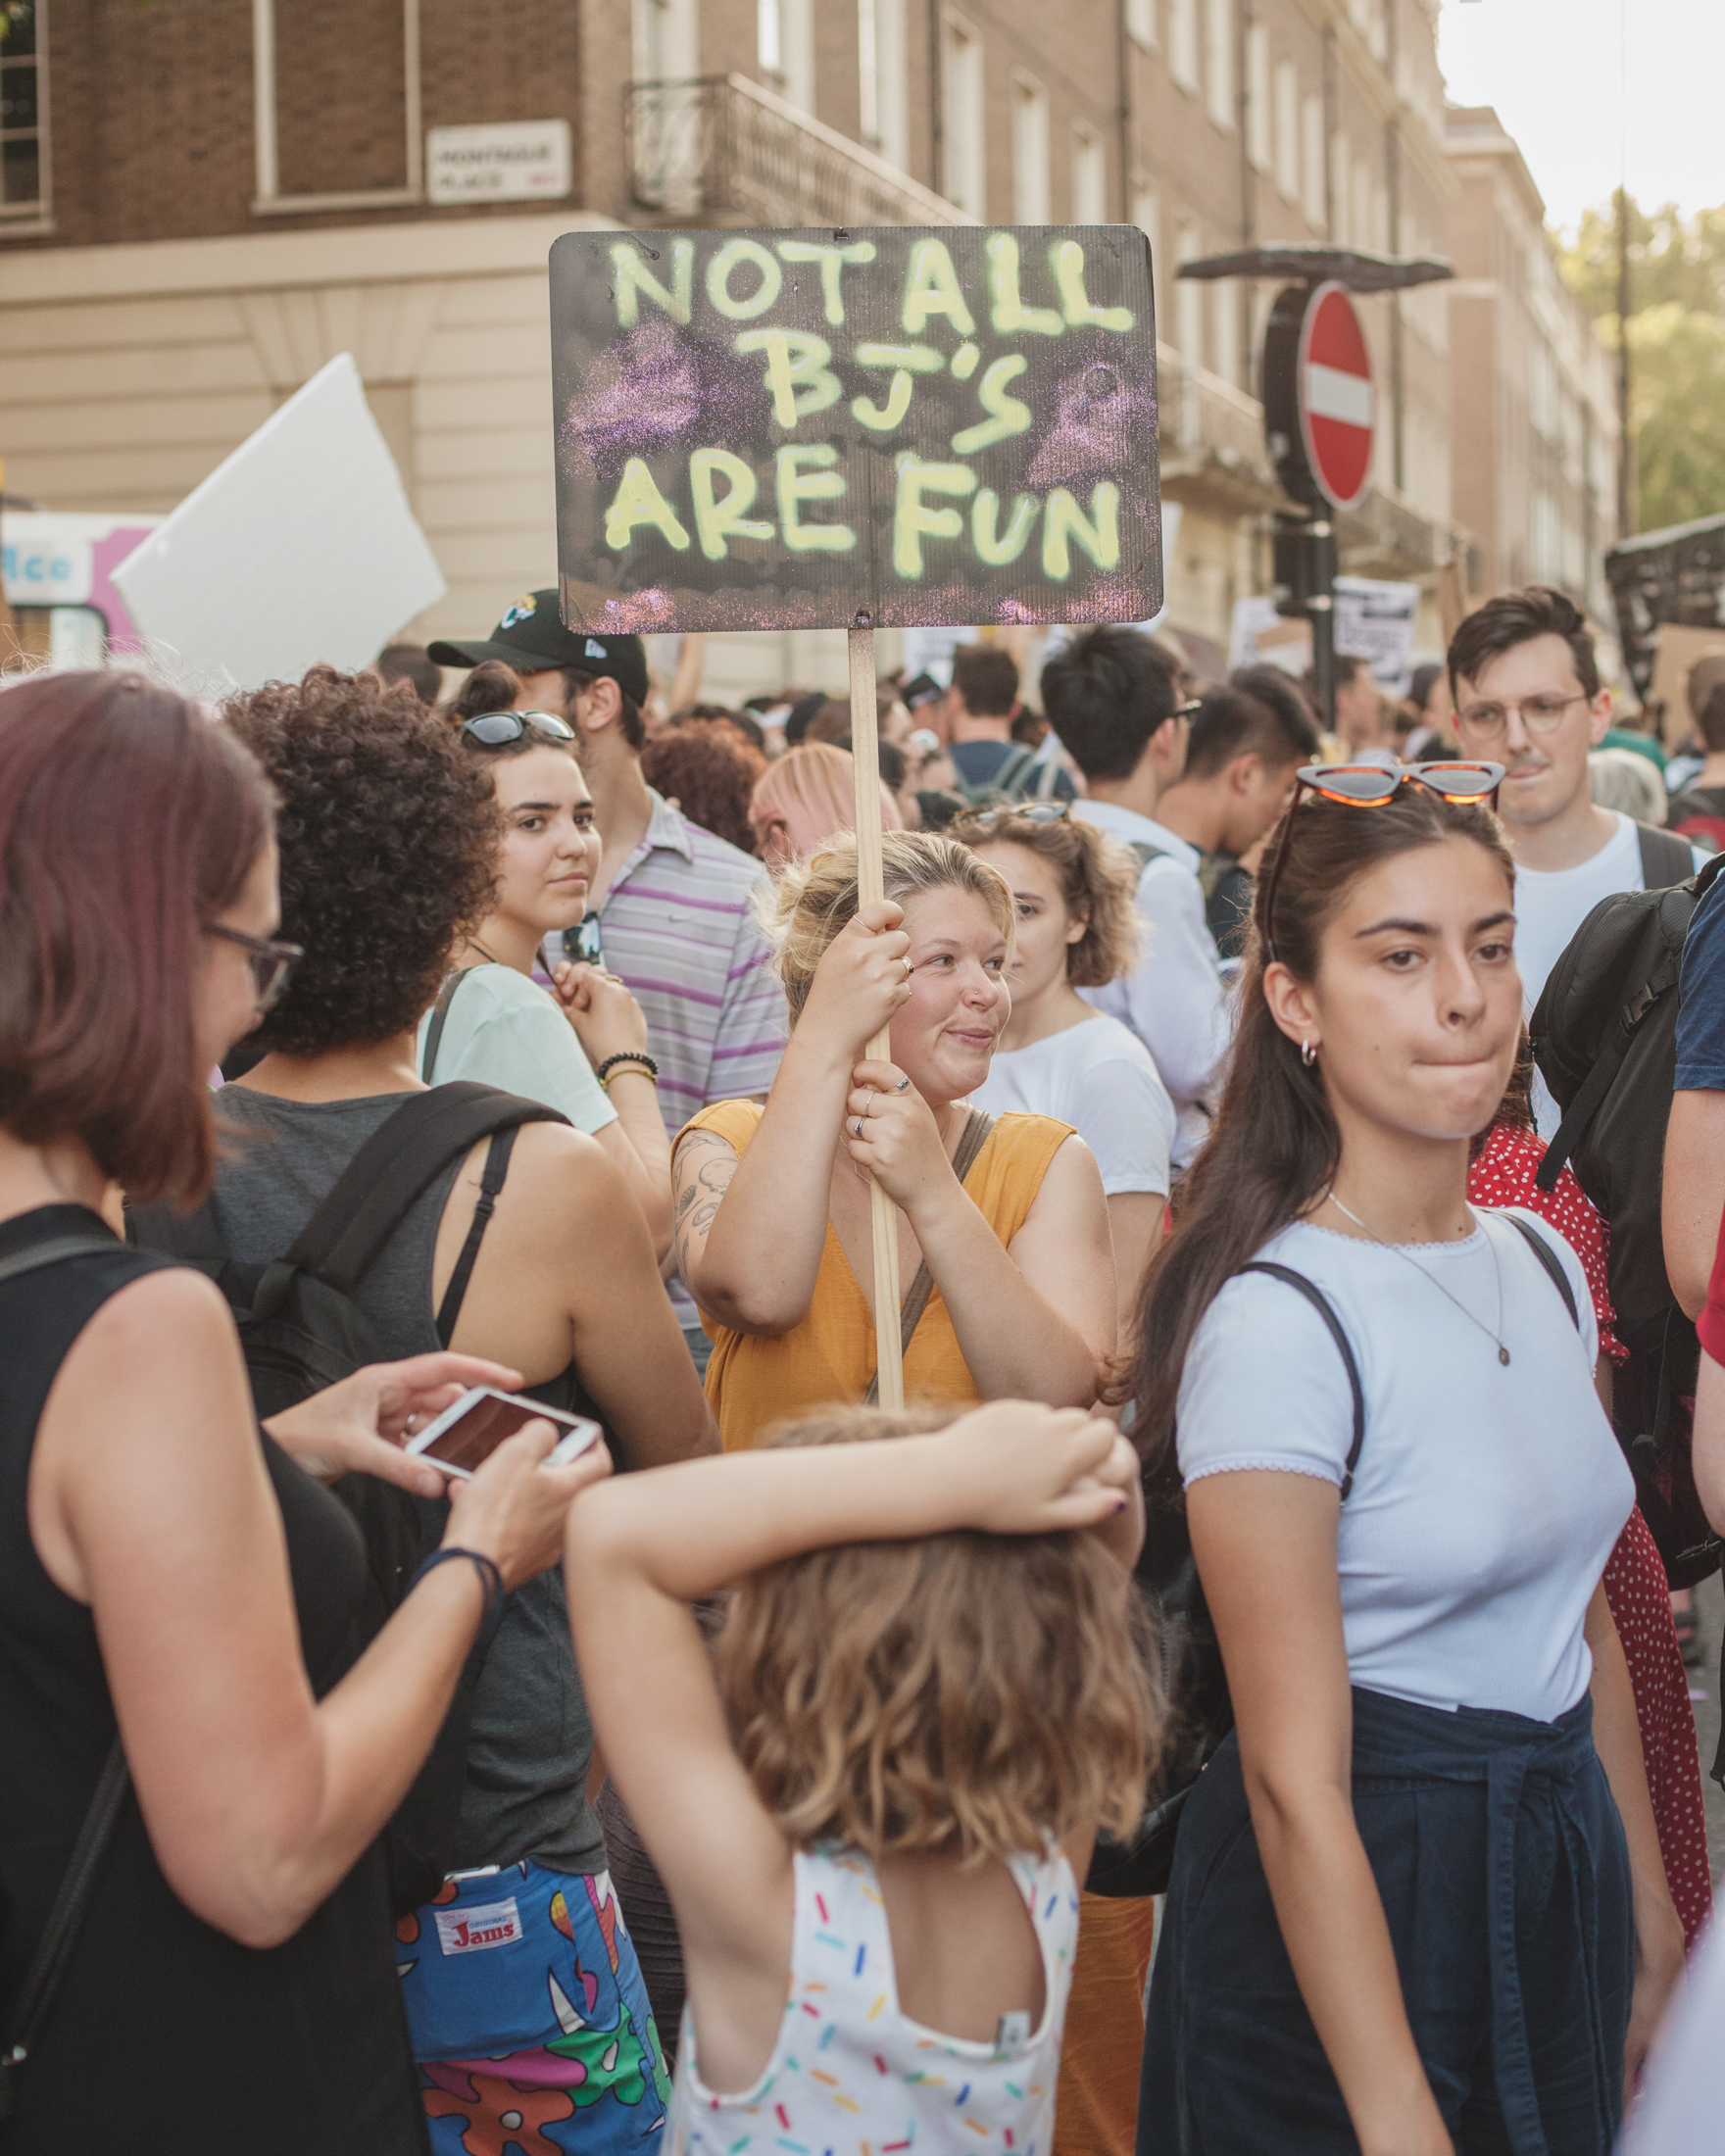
771 1212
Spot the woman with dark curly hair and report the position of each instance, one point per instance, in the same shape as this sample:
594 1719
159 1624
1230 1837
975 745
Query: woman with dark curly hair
388 844
167 1570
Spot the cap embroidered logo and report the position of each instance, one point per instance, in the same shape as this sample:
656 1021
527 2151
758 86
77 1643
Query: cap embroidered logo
524 610
596 650
471 1931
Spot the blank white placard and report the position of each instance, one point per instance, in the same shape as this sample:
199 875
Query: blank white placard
300 547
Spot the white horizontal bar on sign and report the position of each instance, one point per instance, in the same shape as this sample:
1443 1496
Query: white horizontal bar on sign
1332 395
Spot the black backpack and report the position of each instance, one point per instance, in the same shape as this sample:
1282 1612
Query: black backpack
1195 1683
301 1329
1605 1037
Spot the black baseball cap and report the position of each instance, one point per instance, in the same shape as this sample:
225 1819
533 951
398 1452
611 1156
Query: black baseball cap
531 637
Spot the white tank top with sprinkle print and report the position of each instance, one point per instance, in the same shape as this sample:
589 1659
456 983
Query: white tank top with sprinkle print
851 2074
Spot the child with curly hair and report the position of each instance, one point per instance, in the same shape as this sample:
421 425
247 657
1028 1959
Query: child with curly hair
931 1691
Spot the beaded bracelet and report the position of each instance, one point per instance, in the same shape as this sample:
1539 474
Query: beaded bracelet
637 1056
490 1579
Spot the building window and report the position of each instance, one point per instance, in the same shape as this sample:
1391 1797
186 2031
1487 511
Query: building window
1183 42
1341 173
1141 22
1360 224
1146 215
1311 161
965 181
1218 60
1225 299
665 42
332 163
23 113
1030 177
1090 181
786 45
1287 131
1188 299
884 84
1257 96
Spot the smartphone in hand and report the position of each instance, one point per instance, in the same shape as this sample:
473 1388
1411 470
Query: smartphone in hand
467 1433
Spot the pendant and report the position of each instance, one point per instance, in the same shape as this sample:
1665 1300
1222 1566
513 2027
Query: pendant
1503 1355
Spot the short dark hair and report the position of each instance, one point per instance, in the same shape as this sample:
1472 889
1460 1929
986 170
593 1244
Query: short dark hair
986 678
1234 721
1712 719
1105 694
415 664
1516 617
631 723
831 721
389 837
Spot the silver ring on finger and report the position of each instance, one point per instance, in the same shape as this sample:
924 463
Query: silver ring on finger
859 1126
901 1085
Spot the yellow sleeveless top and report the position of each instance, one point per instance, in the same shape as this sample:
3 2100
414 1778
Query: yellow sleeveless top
754 1380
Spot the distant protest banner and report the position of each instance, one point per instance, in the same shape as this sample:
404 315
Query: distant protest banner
802 429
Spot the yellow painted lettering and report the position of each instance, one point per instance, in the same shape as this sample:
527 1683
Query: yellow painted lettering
931 287
639 501
797 372
882 418
1006 307
914 521
732 256
921 358
965 361
1066 260
993 546
832 261
722 517
1009 415
1065 525
631 280
795 486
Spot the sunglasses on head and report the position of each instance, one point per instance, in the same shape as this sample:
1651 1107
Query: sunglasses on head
497 729
1022 811
1370 786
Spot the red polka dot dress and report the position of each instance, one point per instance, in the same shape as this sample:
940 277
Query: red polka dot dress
1635 1578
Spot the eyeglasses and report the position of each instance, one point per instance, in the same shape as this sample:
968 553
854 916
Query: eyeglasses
1369 786
496 730
1026 811
1539 715
271 963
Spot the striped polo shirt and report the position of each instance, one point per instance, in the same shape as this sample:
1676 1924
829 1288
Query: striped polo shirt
678 925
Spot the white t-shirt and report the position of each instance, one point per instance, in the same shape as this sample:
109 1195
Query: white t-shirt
1175 999
1551 904
503 1030
1487 1500
1099 1077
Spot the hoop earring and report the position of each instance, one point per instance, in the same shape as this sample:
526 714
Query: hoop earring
1308 1052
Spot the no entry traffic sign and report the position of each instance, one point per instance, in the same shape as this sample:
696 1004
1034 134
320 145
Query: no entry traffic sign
1320 405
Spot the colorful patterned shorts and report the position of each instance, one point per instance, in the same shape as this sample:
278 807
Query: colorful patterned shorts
529 2018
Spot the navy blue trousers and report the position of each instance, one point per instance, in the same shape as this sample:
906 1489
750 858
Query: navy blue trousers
1501 1860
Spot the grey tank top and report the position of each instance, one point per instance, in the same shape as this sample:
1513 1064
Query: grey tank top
532 1741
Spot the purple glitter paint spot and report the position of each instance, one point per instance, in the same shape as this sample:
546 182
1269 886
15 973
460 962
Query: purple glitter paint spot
634 401
1100 417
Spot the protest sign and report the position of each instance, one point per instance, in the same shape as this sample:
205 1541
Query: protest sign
793 430
1374 622
300 547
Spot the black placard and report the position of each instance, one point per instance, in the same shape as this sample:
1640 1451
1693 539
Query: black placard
793 429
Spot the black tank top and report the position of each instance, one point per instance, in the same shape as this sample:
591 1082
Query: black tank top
164 2033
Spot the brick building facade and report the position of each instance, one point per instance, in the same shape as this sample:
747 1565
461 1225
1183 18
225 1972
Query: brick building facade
212 197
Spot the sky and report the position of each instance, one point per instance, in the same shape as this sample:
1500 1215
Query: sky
1577 97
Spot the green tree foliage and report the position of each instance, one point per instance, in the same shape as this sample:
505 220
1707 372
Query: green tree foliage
1676 348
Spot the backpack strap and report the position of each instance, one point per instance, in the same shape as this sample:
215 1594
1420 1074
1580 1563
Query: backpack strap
1665 858
1549 1260
440 1017
1147 852
971 1141
1010 775
1320 1302
490 1183
52 1251
1047 782
396 1165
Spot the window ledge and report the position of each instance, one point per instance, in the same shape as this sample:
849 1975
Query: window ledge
375 198
33 227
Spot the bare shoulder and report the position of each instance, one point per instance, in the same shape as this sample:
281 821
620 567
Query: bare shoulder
156 1318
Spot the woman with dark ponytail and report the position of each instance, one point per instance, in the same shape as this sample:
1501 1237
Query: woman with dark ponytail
1417 1902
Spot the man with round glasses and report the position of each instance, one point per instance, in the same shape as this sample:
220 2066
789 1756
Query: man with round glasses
1527 695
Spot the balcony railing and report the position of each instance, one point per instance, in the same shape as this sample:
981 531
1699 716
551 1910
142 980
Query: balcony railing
719 147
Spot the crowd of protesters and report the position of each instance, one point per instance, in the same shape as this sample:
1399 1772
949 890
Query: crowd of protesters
779 1772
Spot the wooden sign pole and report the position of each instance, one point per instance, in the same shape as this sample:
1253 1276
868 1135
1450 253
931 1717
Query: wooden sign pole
884 1214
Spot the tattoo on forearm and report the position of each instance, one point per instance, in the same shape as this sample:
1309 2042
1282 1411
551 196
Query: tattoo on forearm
704 1166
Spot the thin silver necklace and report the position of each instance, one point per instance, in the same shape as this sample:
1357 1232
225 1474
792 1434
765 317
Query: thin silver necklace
1396 1251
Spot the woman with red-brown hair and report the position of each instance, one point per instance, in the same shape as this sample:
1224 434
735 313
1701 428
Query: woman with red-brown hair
168 1572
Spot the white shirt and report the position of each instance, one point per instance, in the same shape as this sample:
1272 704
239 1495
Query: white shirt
503 1030
1098 1076
1487 1500
1551 904
1175 999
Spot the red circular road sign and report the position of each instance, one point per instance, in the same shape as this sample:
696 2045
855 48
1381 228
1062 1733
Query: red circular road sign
1338 404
